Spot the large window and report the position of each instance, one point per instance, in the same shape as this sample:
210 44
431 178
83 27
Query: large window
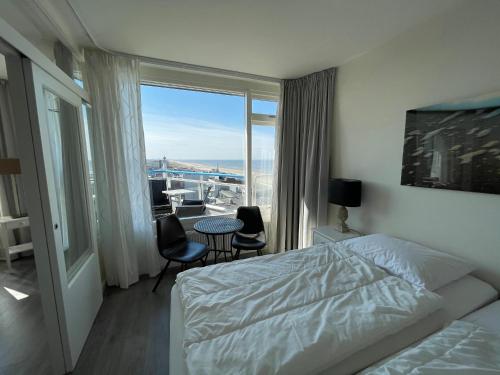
263 136
196 150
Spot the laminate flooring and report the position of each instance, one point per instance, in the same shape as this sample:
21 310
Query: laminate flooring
23 336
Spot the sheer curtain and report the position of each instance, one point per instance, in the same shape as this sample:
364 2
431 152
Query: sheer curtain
300 197
126 237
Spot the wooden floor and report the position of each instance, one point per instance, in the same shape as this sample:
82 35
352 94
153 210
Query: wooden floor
130 334
23 337
131 331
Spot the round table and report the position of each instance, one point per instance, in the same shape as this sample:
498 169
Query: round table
218 226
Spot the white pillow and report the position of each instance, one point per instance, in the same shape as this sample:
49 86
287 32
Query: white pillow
410 261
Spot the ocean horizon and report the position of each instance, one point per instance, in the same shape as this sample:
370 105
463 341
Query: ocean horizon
263 165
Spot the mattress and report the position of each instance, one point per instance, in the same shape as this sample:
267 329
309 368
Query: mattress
488 317
461 297
465 295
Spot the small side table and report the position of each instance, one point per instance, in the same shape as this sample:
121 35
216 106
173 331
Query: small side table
328 233
9 223
218 226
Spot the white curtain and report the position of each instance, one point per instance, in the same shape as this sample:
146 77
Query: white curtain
126 237
302 159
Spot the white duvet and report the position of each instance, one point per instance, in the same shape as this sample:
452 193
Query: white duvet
293 313
462 348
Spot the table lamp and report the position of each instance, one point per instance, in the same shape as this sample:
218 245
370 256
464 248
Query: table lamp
345 193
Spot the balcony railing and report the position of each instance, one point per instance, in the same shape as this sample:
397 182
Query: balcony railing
222 193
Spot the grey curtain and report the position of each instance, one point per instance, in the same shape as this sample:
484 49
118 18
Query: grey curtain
302 159
8 193
11 187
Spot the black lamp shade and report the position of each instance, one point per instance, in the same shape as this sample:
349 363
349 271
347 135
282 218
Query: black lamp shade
344 192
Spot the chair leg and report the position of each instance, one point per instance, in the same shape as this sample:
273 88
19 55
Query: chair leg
237 255
259 252
203 261
161 276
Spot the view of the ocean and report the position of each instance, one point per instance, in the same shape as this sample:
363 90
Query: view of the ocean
262 166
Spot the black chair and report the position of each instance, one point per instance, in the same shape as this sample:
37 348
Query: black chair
252 236
173 244
160 203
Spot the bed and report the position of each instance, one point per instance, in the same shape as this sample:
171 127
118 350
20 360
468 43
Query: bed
402 324
467 346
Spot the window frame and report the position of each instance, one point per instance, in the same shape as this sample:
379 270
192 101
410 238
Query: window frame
251 118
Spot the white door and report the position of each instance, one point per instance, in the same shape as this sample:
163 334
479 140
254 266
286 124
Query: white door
62 159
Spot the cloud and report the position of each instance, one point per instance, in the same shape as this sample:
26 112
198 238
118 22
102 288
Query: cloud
188 138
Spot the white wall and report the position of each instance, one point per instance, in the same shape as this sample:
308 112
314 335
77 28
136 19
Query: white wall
453 55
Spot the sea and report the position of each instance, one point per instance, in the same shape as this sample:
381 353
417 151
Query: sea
261 166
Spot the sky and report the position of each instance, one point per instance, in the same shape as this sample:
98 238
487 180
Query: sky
193 125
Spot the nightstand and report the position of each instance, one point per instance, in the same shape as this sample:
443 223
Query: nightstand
9 223
328 233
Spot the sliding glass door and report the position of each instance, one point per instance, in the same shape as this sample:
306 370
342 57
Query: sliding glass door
60 151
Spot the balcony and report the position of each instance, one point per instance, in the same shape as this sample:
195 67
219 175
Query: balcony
221 192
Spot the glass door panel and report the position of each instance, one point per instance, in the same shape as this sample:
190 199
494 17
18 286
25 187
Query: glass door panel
67 167
263 137
61 148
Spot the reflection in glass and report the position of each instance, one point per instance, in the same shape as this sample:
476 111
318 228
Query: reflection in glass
67 164
86 130
262 168
265 107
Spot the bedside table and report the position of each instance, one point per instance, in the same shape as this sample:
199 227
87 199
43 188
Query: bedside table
328 233
8 223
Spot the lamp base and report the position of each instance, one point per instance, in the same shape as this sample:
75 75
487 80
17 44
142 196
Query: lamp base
342 216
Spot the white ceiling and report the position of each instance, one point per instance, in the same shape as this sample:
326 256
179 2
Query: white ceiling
30 18
276 38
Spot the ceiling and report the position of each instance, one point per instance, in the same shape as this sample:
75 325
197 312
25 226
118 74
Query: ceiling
275 38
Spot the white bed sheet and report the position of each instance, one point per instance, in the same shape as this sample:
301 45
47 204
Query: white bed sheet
460 298
461 348
360 360
298 312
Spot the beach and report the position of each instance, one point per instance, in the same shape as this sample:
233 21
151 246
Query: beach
200 167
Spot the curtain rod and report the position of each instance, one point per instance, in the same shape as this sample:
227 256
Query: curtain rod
201 68
169 63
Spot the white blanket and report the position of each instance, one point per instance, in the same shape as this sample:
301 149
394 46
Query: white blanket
462 348
293 313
